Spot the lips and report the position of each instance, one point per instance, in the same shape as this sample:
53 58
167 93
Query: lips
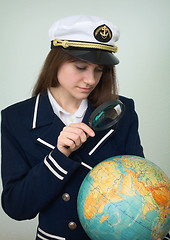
85 89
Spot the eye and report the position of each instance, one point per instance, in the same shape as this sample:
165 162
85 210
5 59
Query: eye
99 69
81 68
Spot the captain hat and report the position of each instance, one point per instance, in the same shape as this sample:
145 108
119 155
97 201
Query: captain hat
88 38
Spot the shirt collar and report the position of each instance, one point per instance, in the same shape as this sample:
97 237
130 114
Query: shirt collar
58 109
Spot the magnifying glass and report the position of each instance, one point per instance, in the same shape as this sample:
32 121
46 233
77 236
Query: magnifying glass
106 115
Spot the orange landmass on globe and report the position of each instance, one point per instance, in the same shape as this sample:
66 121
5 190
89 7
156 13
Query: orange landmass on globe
127 186
110 184
104 218
157 193
104 188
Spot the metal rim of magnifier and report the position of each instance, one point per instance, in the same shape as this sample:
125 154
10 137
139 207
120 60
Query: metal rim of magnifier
105 105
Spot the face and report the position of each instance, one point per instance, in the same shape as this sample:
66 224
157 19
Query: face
78 79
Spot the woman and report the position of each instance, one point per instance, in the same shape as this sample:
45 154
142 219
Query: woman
47 145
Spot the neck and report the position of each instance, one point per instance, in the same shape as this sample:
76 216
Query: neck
68 103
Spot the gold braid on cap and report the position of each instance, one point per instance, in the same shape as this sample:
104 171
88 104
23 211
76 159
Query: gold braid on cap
66 44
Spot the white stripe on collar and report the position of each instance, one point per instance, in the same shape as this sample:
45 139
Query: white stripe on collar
102 140
35 112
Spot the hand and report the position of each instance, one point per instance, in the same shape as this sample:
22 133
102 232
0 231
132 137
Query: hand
73 136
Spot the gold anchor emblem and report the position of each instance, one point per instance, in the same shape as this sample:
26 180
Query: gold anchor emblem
104 32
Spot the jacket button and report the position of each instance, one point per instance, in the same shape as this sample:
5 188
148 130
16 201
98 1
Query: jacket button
66 197
72 225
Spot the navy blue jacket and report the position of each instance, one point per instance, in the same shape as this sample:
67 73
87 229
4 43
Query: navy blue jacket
39 179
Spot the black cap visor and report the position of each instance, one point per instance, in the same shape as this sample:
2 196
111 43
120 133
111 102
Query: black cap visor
99 57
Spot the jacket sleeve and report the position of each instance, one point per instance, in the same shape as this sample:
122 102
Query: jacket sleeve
27 189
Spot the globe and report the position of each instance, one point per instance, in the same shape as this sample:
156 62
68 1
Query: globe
125 198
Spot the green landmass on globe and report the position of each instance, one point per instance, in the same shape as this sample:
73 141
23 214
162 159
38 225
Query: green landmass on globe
125 197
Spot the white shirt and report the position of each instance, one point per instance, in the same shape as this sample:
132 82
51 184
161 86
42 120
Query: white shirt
65 116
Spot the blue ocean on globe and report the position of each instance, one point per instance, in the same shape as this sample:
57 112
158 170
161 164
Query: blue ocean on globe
125 197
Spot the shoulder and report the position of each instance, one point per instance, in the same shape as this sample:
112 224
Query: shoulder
20 107
128 102
18 114
128 124
130 112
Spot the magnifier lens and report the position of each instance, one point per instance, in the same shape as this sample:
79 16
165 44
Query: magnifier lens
107 115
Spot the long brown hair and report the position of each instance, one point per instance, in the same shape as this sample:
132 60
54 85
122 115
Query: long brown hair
105 90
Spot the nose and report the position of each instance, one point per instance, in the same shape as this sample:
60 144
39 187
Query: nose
90 77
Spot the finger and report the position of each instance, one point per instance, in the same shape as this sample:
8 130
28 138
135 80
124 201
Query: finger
72 139
77 129
77 134
67 139
83 127
67 143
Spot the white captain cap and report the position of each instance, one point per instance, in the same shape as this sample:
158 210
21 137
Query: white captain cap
89 38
